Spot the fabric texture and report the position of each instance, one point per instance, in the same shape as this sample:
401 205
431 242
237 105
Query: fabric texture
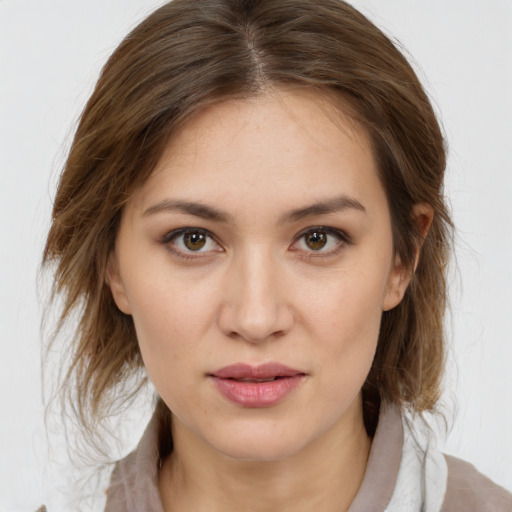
405 473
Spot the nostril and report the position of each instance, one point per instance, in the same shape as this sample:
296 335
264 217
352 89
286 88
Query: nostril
255 319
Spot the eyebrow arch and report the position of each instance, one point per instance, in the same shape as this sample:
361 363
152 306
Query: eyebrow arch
189 207
333 205
210 213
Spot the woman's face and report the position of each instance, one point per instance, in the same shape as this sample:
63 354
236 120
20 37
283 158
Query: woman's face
256 263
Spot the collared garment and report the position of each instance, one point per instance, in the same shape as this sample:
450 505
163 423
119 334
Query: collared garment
405 473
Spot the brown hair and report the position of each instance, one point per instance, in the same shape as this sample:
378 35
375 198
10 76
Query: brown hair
188 55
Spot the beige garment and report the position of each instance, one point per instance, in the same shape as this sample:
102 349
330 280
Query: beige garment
398 477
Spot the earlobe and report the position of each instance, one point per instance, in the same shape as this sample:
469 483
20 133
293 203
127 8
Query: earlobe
397 285
116 285
401 275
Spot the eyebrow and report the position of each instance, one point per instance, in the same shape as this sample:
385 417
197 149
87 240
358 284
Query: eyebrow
334 205
190 207
204 211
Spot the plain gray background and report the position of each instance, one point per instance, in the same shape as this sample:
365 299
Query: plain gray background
51 52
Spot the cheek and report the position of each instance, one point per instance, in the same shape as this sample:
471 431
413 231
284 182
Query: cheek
348 303
347 365
352 345
167 331
346 320
170 317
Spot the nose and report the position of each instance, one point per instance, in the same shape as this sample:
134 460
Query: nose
254 307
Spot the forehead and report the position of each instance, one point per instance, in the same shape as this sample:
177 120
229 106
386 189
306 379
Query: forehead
278 146
297 115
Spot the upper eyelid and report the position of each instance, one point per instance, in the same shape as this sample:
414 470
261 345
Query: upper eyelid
181 231
333 231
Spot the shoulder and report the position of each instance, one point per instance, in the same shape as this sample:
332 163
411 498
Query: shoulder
467 490
134 480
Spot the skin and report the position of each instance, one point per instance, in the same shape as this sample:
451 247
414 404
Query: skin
257 292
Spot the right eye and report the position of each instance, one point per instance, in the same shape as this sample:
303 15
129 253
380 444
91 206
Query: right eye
190 241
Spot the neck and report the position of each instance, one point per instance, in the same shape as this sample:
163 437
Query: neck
324 476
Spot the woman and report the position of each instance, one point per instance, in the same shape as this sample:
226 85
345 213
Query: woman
252 212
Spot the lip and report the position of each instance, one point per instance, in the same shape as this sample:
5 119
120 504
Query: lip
250 386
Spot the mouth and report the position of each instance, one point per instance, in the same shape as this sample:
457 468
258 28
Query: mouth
257 380
262 372
256 386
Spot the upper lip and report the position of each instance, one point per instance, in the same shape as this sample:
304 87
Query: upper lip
261 371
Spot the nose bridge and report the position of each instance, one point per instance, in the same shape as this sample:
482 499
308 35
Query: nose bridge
258 281
255 306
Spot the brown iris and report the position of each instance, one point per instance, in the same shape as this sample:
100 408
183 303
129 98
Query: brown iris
194 241
316 240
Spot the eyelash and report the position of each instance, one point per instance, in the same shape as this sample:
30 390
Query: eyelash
343 239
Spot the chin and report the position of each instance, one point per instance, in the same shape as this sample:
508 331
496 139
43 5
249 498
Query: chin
259 443
258 452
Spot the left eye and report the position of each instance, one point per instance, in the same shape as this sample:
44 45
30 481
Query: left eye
192 241
319 240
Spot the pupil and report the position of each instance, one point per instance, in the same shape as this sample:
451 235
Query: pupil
316 240
194 241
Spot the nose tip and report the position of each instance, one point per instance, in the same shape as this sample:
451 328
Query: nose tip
255 323
255 308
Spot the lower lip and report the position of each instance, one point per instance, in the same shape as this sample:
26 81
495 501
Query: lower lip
257 394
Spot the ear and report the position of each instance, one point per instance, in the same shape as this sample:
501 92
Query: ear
401 275
115 283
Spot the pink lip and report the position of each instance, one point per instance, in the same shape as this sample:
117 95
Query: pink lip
249 386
